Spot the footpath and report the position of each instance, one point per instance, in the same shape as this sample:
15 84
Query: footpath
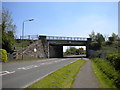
85 77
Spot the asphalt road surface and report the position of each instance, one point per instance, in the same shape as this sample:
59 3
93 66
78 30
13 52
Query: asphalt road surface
22 74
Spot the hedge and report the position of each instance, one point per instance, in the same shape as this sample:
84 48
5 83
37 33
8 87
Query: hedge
3 55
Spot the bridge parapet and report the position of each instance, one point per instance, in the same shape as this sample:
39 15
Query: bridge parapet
65 38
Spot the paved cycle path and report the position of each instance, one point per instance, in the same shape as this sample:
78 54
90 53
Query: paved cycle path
85 77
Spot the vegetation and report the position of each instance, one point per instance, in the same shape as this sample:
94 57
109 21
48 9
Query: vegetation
62 78
97 39
3 55
19 43
108 71
104 81
110 47
8 30
114 59
95 46
74 51
114 37
107 68
9 43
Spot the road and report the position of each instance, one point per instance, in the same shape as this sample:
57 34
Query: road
22 74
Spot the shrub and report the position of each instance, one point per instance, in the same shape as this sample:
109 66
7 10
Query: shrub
114 59
3 54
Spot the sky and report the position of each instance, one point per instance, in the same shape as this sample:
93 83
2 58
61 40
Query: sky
73 19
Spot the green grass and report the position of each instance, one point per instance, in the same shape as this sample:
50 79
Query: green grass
62 78
104 81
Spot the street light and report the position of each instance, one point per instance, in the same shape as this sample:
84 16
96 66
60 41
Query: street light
23 33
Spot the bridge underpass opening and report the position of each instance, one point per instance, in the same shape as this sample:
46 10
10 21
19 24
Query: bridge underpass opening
74 51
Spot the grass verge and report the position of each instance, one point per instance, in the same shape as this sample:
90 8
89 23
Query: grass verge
104 81
62 78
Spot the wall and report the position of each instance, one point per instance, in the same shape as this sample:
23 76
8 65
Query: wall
33 50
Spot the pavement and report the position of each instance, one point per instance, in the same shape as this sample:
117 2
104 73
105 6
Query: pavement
23 74
85 77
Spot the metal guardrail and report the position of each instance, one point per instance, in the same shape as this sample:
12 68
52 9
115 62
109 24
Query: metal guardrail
65 38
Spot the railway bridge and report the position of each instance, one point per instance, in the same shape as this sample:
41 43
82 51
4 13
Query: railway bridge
53 45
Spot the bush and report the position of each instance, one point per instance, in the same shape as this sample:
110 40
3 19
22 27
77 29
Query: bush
3 55
108 70
114 59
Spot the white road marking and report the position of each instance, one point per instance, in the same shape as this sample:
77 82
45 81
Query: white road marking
63 59
43 76
28 67
34 66
46 60
46 63
6 72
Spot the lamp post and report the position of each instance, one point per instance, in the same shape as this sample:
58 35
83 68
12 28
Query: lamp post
23 33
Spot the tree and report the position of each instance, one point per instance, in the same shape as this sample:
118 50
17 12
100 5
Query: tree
99 38
115 36
96 37
71 50
8 30
92 35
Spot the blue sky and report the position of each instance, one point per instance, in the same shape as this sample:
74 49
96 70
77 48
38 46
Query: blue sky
76 19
